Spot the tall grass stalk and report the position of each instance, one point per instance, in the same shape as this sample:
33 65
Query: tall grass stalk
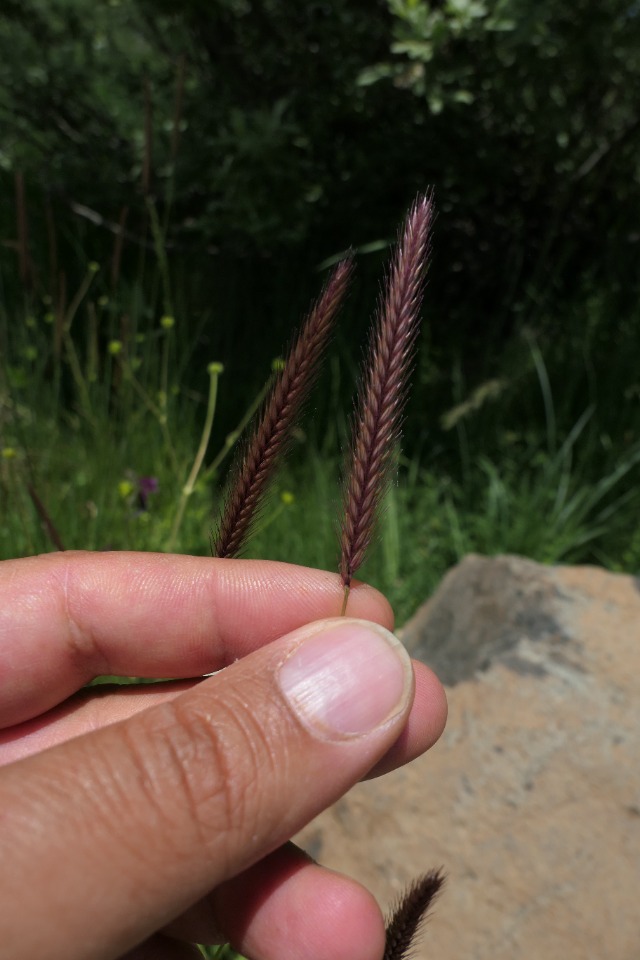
231 439
383 390
214 370
159 412
263 452
547 396
71 352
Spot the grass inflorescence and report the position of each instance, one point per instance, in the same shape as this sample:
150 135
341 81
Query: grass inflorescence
261 455
383 390
410 913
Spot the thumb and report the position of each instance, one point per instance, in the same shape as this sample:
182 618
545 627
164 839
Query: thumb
110 836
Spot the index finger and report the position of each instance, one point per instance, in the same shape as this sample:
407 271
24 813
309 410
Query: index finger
66 618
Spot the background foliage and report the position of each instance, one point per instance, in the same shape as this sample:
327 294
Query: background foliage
209 157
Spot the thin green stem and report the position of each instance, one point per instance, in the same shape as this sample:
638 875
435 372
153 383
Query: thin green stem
81 292
215 369
76 371
157 412
232 437
164 377
70 350
161 254
345 599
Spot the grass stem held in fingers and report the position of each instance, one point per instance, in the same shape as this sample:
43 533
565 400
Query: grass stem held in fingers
383 389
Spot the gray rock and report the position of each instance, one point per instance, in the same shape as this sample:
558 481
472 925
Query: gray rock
482 609
531 800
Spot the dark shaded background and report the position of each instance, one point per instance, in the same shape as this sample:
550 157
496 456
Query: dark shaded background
270 136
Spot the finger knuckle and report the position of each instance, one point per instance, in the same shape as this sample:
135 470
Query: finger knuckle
217 762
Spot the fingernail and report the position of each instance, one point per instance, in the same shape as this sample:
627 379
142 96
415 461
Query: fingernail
347 679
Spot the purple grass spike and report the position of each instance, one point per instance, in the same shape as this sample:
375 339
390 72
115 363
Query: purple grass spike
383 388
259 458
410 914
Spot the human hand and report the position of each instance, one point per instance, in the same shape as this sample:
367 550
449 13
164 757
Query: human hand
141 820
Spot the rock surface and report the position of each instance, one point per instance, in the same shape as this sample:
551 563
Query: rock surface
531 800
